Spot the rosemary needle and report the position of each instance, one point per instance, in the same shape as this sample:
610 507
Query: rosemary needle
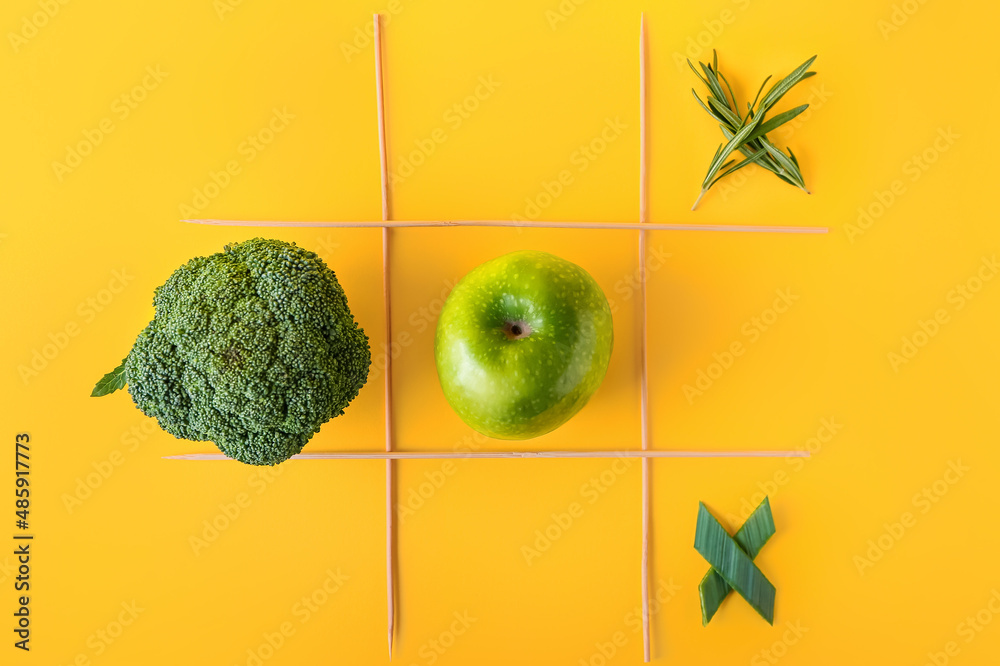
747 133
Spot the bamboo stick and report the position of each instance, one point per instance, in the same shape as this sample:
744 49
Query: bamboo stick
536 224
390 542
643 347
444 455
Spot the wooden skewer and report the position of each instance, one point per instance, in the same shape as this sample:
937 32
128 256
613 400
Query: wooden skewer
379 101
643 381
443 455
643 160
537 224
390 550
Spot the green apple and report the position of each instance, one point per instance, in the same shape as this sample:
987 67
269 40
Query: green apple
522 343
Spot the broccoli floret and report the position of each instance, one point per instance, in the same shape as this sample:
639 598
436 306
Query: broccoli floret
253 348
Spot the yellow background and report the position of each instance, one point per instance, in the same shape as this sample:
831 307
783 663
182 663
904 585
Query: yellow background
881 97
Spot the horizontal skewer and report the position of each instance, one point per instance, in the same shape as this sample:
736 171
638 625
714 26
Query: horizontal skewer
537 224
437 455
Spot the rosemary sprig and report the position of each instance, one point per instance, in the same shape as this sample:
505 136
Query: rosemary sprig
748 133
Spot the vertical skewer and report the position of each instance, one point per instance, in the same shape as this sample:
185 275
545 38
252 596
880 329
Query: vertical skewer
390 550
643 166
643 384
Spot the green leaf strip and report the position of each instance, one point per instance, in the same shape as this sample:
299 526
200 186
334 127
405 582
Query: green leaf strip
721 551
751 537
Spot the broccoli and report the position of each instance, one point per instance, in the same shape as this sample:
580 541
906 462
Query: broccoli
253 348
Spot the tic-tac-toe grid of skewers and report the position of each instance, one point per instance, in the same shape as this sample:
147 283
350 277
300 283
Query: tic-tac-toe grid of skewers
642 226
